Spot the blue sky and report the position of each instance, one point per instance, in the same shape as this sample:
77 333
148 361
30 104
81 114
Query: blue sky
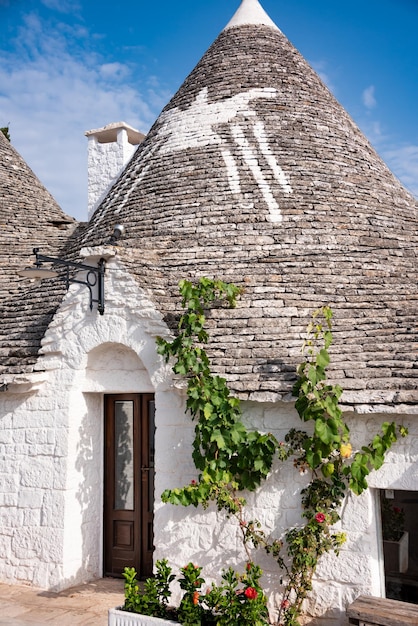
67 66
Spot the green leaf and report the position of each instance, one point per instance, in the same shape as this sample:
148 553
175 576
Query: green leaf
238 432
259 465
323 358
179 368
323 430
312 374
217 437
208 410
327 339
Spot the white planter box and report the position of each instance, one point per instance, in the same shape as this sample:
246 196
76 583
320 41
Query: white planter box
124 618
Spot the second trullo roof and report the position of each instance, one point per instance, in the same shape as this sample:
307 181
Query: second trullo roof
255 174
29 217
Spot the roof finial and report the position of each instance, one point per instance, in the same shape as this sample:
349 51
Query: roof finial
251 12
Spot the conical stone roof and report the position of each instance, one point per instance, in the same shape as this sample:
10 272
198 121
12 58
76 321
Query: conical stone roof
255 174
29 218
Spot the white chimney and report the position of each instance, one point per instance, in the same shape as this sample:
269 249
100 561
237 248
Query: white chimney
109 150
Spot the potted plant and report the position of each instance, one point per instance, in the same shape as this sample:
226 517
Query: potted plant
238 599
395 537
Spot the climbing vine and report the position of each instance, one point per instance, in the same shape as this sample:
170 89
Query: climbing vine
231 458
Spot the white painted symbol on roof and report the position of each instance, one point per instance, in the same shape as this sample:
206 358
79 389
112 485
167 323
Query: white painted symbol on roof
194 127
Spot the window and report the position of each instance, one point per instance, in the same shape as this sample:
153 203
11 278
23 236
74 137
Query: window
399 515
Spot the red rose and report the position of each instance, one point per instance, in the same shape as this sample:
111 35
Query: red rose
250 593
285 604
248 567
320 518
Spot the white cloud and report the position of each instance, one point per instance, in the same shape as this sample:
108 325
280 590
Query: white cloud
320 68
114 70
52 89
63 6
401 159
368 97
372 128
404 163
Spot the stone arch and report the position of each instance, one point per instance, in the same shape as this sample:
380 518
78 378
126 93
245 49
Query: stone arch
115 368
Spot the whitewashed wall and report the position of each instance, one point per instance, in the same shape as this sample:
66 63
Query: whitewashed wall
105 161
208 539
33 451
51 454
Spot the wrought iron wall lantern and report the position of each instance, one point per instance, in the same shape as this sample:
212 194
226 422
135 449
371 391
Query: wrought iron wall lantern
94 276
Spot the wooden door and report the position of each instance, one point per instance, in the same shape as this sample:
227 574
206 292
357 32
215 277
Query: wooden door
129 483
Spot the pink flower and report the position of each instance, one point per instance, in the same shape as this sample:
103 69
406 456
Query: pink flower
285 604
320 518
193 482
250 593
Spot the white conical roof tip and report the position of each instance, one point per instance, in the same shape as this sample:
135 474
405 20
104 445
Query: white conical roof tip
251 12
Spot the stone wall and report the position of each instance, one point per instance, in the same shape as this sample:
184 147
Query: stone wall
33 453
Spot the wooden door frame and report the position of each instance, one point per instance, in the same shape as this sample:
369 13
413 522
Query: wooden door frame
140 517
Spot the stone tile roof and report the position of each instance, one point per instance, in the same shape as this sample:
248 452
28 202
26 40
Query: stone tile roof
255 174
29 217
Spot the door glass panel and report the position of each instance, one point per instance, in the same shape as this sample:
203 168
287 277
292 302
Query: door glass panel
124 455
